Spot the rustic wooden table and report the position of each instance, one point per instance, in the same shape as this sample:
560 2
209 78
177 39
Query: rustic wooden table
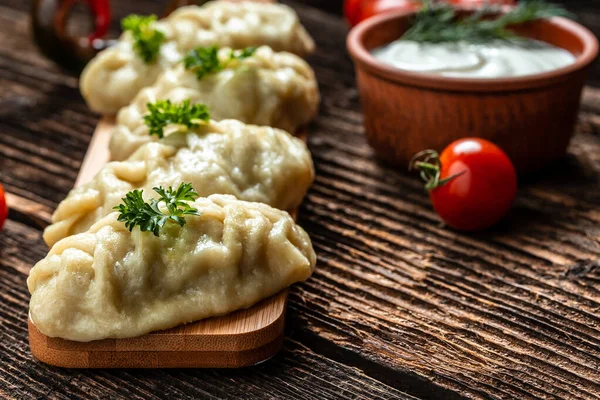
399 307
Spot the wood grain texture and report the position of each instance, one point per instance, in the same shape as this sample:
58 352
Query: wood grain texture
399 306
98 154
168 349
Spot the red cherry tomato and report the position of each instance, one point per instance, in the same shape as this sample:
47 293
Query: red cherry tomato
472 184
3 207
371 8
352 11
358 10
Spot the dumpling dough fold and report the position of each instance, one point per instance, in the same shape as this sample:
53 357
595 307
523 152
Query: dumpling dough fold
112 283
252 163
113 78
269 88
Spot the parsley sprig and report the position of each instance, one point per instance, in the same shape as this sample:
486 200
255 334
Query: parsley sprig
440 22
163 113
205 60
148 216
146 40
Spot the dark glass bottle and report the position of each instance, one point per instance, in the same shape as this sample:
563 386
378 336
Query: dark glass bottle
49 20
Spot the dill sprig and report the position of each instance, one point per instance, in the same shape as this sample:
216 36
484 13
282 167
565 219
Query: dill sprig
146 40
205 60
163 113
148 216
440 22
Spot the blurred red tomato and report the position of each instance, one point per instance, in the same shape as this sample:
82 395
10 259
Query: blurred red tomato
352 11
375 7
359 10
3 207
481 2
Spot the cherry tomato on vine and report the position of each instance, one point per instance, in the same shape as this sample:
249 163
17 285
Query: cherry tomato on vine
472 184
358 10
3 207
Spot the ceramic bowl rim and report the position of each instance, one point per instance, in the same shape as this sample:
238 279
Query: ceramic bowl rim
363 58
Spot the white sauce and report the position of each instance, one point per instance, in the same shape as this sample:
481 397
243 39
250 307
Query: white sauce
496 59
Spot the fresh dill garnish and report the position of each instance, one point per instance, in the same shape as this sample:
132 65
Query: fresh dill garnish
146 40
163 113
440 22
205 60
148 216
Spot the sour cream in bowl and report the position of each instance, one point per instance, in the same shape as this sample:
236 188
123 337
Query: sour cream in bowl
522 95
496 59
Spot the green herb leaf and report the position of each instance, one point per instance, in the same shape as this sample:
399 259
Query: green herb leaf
428 163
440 22
148 216
205 60
163 113
146 40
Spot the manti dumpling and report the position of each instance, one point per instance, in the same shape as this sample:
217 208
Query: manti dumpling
112 283
252 163
268 88
113 78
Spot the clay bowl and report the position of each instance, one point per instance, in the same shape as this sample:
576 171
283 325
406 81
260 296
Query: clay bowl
532 117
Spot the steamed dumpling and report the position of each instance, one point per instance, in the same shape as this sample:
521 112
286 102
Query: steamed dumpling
113 78
112 283
271 89
252 163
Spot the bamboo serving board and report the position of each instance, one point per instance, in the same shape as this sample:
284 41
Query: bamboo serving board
239 339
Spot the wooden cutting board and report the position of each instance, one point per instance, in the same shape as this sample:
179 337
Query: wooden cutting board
240 339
